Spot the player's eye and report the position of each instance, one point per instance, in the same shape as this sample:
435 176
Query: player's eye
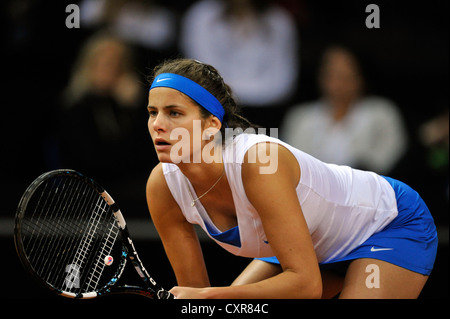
152 113
174 113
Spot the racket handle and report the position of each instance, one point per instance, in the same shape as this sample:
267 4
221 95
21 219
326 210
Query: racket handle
164 294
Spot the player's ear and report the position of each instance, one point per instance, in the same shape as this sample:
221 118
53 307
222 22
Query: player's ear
213 126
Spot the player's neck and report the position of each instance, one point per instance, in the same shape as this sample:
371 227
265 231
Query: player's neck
202 173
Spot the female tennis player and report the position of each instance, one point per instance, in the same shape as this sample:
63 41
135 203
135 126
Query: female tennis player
301 222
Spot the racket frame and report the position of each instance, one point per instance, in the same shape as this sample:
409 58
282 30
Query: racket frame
151 290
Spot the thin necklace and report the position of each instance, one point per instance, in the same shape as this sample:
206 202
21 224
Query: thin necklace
194 201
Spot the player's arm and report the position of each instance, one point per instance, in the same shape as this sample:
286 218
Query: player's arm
275 198
178 236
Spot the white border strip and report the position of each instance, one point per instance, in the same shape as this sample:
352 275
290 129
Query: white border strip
143 229
140 229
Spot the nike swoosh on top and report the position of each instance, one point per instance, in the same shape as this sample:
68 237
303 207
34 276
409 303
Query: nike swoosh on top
373 249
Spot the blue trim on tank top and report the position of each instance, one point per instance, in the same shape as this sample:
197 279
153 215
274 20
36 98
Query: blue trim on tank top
230 236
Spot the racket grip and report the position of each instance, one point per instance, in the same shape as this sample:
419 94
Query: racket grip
164 294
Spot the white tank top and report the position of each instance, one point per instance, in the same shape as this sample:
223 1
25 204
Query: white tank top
342 206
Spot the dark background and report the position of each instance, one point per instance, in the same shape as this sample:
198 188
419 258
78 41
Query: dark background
408 57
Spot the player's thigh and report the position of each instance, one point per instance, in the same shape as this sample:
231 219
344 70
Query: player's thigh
368 278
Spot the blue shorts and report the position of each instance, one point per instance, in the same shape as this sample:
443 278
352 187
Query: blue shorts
409 241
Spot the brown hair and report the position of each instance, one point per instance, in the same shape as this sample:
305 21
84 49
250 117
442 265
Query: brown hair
210 79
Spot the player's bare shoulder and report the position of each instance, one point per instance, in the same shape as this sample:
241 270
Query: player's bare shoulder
157 190
159 197
156 177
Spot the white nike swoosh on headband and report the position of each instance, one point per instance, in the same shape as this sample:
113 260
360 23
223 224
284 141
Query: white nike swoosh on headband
160 80
373 249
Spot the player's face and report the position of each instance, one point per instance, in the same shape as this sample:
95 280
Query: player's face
175 121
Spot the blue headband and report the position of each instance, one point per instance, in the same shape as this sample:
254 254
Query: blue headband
195 91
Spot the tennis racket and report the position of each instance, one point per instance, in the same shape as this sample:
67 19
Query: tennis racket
70 234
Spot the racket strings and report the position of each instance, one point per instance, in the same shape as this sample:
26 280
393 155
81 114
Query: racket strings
59 224
45 230
68 233
85 245
106 246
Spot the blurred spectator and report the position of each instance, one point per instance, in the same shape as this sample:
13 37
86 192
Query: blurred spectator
104 66
101 109
253 43
434 135
345 126
140 22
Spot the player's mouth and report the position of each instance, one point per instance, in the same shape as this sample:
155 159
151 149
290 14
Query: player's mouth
161 144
